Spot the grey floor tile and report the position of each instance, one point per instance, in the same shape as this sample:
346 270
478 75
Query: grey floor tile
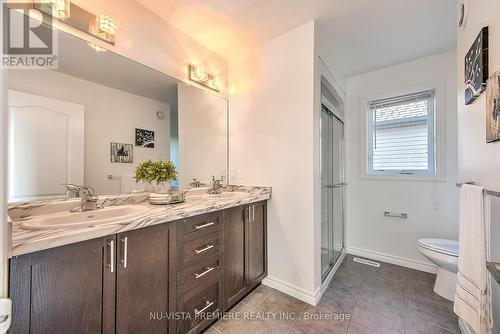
320 321
440 315
375 314
257 295
358 329
385 300
338 302
415 325
233 317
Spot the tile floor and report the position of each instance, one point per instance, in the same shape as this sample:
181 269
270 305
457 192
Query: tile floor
385 300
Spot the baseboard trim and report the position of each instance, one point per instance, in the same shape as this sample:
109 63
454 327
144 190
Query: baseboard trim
290 290
400 261
326 283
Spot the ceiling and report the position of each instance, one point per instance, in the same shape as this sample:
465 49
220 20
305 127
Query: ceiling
360 35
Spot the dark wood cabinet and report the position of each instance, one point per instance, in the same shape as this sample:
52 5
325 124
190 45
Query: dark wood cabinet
257 244
134 281
63 290
235 268
143 275
245 249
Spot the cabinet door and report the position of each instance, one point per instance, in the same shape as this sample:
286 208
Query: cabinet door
143 279
235 262
257 243
69 289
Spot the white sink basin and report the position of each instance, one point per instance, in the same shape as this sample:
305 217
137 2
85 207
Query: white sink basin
112 214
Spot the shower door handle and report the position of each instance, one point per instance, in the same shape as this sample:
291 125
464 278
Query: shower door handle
337 185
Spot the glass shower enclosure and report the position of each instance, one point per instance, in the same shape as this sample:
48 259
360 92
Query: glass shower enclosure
332 185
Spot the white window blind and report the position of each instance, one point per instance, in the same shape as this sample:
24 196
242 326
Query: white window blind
400 134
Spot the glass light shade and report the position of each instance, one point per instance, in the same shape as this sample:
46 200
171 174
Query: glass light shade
107 24
219 82
57 8
201 73
103 26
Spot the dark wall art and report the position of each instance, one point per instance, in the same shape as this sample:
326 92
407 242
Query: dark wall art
476 67
493 108
122 153
144 138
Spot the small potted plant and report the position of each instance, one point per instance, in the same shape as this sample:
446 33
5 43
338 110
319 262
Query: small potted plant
162 173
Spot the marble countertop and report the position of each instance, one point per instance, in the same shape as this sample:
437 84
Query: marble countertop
27 241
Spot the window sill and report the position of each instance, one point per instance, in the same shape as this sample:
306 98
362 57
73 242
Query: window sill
403 177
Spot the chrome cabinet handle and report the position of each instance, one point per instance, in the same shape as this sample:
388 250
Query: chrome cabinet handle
124 260
198 227
111 265
196 312
204 249
251 213
209 269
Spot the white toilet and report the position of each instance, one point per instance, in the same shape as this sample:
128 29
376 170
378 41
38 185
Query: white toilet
443 253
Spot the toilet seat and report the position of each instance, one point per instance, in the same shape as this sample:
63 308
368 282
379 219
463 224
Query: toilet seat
443 246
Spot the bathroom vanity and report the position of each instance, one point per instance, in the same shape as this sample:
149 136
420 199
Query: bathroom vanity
172 269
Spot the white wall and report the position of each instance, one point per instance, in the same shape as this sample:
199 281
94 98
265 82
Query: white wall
271 127
202 135
432 206
477 160
110 116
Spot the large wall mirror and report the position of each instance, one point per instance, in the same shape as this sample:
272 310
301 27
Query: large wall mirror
96 117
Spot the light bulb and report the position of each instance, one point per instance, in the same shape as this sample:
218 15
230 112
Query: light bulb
57 8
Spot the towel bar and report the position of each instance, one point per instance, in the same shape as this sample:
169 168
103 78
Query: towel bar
494 269
486 191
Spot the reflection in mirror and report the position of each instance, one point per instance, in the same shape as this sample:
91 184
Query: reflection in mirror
99 115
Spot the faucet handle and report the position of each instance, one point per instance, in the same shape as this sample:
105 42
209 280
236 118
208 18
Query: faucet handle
72 190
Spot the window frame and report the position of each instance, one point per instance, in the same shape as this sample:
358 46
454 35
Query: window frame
436 136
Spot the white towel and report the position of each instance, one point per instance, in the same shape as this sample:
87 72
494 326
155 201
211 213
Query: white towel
473 295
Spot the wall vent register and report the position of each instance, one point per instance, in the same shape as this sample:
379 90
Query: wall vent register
401 135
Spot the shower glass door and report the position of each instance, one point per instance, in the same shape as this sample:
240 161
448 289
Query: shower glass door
332 182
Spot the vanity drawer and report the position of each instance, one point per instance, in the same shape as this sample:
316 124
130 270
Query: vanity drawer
199 307
198 226
198 274
198 249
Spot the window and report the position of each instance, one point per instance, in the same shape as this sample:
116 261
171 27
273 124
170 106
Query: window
401 135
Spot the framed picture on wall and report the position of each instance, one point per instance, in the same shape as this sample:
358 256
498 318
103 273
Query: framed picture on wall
123 153
493 108
476 67
144 138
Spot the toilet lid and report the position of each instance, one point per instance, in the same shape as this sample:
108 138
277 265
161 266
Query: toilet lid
448 247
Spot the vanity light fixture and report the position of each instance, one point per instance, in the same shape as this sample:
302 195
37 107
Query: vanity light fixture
199 75
103 27
60 9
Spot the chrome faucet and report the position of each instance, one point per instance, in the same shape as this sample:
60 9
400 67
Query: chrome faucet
89 200
216 185
195 184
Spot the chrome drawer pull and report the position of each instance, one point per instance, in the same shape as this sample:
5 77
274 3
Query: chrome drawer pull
204 249
196 312
198 227
209 269
111 265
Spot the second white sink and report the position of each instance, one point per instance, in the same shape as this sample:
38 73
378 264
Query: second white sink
112 214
